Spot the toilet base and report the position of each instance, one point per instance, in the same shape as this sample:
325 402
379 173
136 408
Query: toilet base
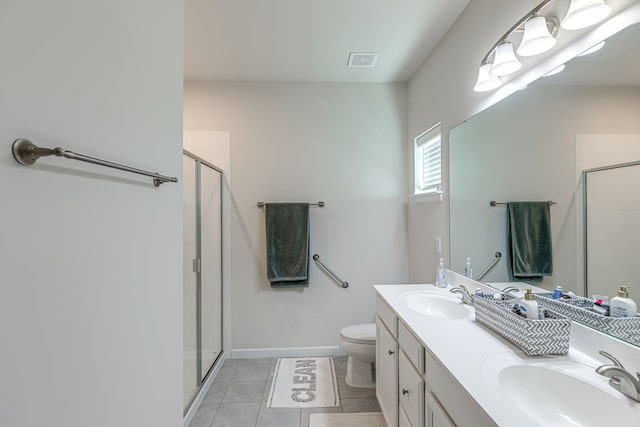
360 374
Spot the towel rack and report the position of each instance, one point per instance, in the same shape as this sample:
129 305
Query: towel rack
319 204
494 203
27 153
316 258
490 266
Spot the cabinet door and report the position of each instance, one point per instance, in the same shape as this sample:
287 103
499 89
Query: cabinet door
436 417
403 420
411 391
386 373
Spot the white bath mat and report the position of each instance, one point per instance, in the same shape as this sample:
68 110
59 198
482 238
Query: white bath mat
358 419
304 382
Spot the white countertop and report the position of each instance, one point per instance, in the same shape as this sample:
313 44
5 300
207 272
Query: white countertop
463 347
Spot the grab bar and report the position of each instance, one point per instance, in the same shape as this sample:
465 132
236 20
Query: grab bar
493 263
316 258
26 153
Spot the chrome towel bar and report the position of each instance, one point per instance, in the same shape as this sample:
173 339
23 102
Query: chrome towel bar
333 275
319 204
27 153
494 203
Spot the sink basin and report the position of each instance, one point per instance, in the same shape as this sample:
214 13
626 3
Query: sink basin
561 393
441 305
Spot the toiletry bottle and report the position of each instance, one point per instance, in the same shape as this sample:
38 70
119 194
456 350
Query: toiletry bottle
441 275
529 306
622 305
468 272
557 293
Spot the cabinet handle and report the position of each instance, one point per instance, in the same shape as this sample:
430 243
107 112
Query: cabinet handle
405 391
391 352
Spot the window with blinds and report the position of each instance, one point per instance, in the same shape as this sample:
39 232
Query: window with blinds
428 164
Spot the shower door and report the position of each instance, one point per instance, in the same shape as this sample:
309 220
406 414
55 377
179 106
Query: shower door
211 271
202 272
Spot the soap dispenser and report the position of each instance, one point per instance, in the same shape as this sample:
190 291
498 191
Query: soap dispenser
622 305
441 275
529 306
468 271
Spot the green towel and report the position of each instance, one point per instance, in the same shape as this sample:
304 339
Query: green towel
287 226
530 240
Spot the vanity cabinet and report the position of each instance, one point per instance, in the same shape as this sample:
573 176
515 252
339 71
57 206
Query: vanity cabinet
435 415
411 391
386 373
452 398
412 387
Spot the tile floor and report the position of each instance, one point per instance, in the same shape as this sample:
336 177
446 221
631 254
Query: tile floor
238 397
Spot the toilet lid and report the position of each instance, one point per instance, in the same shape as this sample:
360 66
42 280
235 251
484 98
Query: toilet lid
360 334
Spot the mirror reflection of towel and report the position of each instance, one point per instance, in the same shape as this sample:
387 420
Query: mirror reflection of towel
530 240
287 226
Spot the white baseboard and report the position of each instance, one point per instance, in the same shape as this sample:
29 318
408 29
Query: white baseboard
203 390
252 353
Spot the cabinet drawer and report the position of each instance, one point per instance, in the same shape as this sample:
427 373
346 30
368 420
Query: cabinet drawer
410 391
411 346
387 315
462 409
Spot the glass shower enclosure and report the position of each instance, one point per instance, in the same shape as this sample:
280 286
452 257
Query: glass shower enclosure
202 272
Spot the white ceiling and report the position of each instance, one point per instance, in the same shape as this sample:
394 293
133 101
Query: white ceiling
310 40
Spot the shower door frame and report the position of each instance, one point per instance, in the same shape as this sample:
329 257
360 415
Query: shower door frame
198 208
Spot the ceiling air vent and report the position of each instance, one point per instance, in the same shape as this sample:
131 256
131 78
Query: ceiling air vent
362 59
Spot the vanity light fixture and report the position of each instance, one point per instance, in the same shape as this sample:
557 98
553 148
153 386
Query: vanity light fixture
486 81
593 48
505 61
585 13
539 35
536 38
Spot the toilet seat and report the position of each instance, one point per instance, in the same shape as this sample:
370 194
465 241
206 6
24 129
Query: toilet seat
360 334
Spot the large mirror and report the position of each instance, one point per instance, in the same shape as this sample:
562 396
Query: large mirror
612 225
535 146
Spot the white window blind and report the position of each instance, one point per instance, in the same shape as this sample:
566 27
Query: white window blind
428 162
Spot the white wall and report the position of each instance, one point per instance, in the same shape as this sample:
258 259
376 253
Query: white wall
527 148
442 91
90 302
343 144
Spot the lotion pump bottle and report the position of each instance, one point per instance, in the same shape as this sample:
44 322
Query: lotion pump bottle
441 275
622 305
529 306
468 271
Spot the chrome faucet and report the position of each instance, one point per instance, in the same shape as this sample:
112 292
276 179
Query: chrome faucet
510 289
619 378
462 290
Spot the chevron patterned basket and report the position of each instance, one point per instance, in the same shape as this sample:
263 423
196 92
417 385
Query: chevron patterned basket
535 337
577 308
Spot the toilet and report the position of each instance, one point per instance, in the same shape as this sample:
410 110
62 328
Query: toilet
359 343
